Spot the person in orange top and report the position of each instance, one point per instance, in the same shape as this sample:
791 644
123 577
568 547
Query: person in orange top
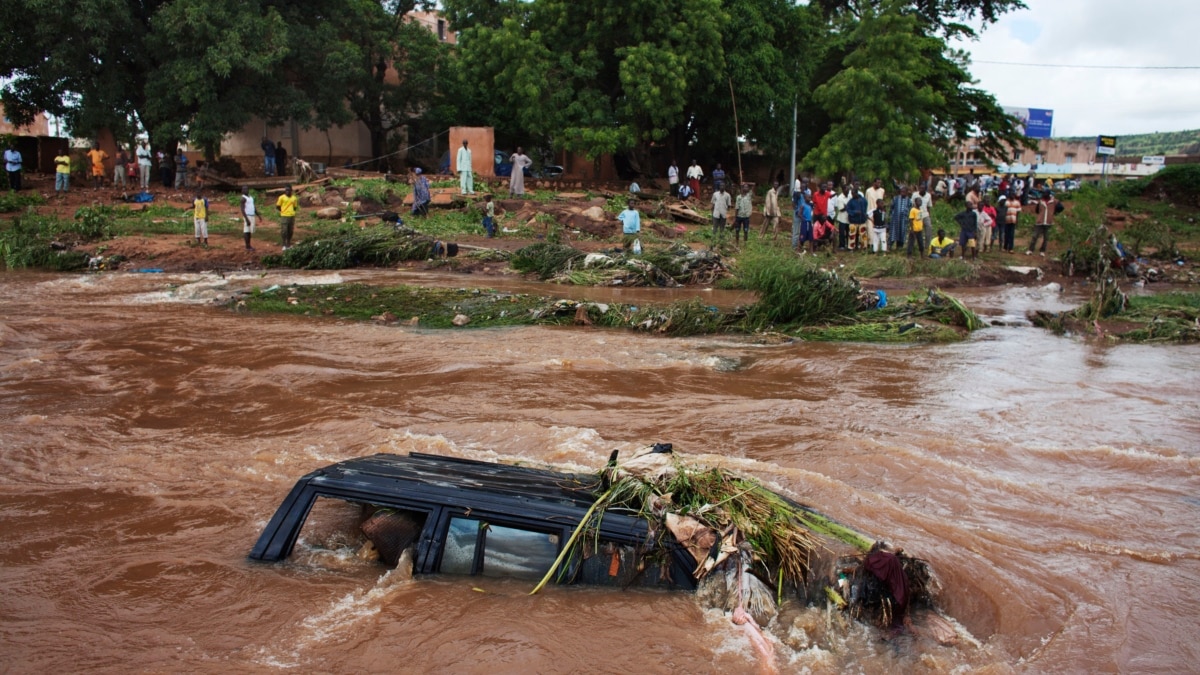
97 157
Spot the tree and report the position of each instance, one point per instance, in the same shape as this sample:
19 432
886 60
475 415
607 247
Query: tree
883 113
900 101
597 77
176 68
376 65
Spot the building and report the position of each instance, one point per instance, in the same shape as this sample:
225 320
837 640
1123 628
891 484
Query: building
339 146
1052 159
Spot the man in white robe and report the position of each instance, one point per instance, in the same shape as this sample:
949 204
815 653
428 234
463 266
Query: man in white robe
462 164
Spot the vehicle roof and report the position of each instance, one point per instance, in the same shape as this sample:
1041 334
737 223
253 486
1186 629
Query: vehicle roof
396 474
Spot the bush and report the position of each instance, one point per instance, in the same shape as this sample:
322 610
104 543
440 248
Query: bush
15 201
351 246
794 291
544 258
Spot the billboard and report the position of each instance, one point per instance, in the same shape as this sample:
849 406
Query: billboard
1033 122
1106 145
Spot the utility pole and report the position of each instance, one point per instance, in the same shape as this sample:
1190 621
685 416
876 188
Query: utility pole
792 166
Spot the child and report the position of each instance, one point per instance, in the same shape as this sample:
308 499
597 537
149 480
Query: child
489 216
200 219
968 235
987 221
249 216
916 229
878 228
941 246
631 225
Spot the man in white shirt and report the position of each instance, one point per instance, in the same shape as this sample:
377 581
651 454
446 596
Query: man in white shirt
694 174
721 201
673 178
875 194
837 210
462 164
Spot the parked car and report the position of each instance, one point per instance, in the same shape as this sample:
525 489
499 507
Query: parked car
467 517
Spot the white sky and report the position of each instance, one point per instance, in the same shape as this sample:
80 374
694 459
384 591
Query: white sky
1097 32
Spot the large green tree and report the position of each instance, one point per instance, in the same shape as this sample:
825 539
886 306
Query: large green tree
902 98
595 76
377 66
200 69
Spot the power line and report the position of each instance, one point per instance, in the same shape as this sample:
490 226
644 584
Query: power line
1068 65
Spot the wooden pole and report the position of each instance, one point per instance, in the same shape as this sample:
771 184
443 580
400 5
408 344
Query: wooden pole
736 133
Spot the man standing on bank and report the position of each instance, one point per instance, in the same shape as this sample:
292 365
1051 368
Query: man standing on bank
286 204
462 164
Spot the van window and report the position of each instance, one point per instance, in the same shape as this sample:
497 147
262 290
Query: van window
480 548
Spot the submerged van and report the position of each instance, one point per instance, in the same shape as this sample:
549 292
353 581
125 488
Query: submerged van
460 516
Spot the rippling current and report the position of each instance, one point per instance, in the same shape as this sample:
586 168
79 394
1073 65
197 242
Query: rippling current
146 436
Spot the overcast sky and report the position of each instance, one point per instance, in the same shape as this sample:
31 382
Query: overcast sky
1097 32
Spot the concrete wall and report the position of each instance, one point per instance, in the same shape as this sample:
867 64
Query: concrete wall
338 146
482 142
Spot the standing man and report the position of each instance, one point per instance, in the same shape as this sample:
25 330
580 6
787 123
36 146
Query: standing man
718 177
249 216
898 218
673 178
631 224
694 174
181 164
166 169
820 200
12 164
1012 216
462 164
802 217
741 217
1046 208
268 149
120 168
856 212
286 204
281 163
771 212
143 160
62 173
97 157
876 194
720 213
838 210
421 196
516 180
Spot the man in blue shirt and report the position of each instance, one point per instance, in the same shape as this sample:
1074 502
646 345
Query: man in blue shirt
802 215
12 164
631 224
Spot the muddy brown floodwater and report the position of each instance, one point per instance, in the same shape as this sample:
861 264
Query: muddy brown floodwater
146 436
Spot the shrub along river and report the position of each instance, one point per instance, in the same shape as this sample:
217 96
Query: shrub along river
148 434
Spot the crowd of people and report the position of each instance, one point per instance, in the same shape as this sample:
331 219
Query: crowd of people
851 218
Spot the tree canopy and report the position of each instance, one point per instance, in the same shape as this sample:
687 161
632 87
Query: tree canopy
876 85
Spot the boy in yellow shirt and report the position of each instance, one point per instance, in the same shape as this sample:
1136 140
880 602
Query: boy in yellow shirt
287 216
916 229
62 173
200 219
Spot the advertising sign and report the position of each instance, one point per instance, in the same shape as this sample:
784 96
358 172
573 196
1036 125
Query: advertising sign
1033 122
1154 159
1106 145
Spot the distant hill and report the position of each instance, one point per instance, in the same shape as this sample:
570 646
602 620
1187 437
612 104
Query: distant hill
1158 143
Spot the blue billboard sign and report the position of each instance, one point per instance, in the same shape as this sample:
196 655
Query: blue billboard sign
1033 122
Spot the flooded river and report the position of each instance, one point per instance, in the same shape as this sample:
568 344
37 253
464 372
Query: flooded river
146 436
